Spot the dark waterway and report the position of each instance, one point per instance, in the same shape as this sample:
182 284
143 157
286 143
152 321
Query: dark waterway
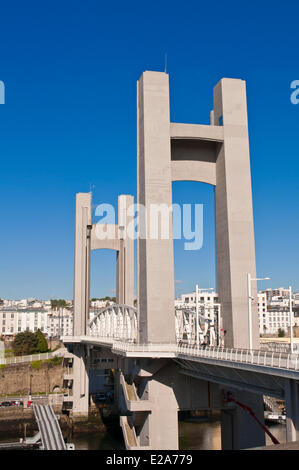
203 435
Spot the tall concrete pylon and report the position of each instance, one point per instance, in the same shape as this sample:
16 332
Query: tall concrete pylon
86 240
216 154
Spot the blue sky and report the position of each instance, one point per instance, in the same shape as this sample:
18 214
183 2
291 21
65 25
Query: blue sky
70 70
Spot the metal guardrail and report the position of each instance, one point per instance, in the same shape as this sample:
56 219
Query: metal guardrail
30 358
258 357
147 347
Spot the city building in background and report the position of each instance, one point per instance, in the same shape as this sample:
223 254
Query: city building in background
31 314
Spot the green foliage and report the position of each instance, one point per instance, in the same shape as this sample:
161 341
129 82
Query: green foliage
42 345
8 353
55 361
25 343
36 364
56 303
107 298
281 333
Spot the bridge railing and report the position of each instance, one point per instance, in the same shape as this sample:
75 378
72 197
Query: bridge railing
257 356
146 347
30 358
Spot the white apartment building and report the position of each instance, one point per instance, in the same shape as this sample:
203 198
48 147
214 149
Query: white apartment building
274 315
13 320
52 323
100 303
60 323
262 312
281 292
189 300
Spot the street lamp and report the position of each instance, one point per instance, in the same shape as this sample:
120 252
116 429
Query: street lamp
197 312
250 298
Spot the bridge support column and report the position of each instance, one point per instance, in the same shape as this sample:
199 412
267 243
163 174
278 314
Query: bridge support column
239 430
292 410
80 382
81 302
167 153
160 428
125 254
155 253
234 215
81 264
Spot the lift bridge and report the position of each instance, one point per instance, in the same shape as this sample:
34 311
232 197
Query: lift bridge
168 359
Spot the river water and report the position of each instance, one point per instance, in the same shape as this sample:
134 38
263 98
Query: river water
200 435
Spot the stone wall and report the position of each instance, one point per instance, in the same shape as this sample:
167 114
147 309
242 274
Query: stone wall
16 379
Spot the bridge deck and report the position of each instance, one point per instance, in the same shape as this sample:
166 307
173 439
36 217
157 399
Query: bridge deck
268 362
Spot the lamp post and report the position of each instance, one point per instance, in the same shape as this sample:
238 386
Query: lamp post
250 298
197 312
291 320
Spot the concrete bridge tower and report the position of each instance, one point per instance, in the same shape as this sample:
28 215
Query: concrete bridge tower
216 154
87 239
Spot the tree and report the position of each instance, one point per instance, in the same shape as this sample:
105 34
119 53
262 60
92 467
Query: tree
25 343
56 303
281 333
42 345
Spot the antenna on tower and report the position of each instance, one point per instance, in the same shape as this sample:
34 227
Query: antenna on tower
165 61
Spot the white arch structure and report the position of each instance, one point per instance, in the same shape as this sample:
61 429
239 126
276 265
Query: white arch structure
116 322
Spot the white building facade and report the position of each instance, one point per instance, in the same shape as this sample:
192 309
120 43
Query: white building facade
53 323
